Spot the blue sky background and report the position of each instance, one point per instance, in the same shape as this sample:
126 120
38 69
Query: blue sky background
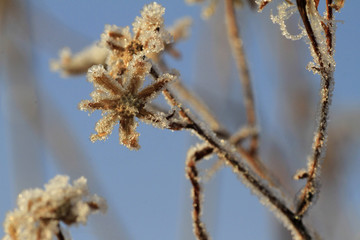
147 192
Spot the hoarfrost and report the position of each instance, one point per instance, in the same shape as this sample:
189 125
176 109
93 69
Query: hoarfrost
150 29
117 36
40 211
285 11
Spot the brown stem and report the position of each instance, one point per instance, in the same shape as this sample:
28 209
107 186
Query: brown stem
59 234
192 174
264 192
330 17
257 165
310 191
196 103
243 68
289 218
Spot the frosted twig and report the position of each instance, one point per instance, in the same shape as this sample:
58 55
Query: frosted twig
327 27
311 190
262 190
195 155
197 104
210 119
244 72
265 193
188 96
259 168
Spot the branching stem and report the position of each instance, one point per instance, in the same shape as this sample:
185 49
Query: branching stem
186 95
263 191
311 189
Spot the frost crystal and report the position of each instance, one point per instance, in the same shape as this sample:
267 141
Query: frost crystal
40 212
119 91
150 30
285 11
318 24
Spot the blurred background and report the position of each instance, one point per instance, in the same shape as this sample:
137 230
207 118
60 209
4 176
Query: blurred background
42 133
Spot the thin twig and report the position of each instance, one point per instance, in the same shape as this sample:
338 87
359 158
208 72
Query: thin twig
257 165
311 189
236 139
197 104
263 191
244 73
186 95
59 234
215 125
328 26
192 173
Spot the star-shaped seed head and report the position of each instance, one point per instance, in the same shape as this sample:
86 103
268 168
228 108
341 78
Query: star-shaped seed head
118 87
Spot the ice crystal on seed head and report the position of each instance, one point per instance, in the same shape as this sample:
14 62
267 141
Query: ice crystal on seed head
122 103
149 29
118 45
321 29
40 211
119 91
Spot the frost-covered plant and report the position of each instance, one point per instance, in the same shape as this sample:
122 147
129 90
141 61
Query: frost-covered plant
120 95
117 88
319 33
73 64
40 212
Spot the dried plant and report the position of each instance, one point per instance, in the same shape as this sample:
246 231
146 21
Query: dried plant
118 67
40 212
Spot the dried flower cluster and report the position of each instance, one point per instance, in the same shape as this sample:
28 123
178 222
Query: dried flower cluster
118 92
125 60
70 64
40 212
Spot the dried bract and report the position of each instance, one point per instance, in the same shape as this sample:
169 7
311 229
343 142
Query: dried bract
179 31
79 63
118 92
40 212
